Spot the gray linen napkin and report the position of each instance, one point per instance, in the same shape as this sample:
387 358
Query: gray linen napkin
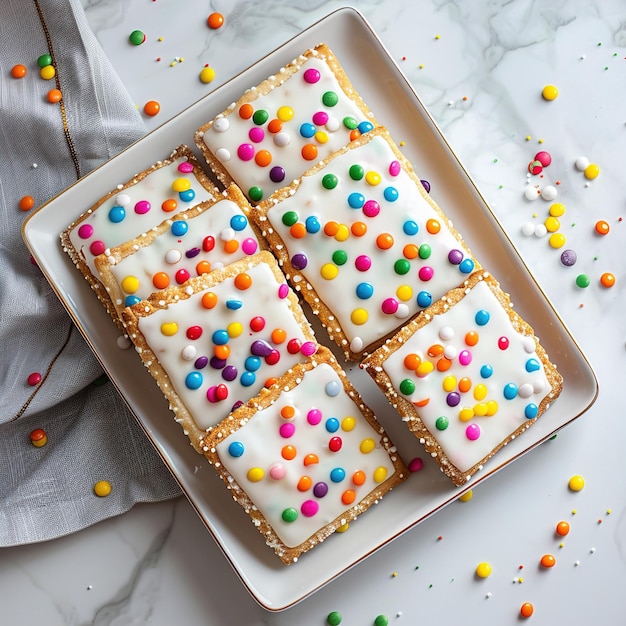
47 492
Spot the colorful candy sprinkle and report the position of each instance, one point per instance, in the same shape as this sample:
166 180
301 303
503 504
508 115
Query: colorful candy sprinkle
102 488
550 92
19 71
215 20
527 609
576 483
151 108
38 437
483 570
137 37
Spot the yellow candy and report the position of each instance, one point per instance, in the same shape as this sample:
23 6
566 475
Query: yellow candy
343 528
557 240
48 72
373 178
102 488
367 445
466 414
480 392
557 209
467 496
285 113
169 329
181 184
348 423
492 408
343 232
483 570
255 474
404 293
207 74
552 224
234 329
449 383
550 92
130 284
380 474
424 368
592 171
576 482
359 316
329 271
480 409
321 136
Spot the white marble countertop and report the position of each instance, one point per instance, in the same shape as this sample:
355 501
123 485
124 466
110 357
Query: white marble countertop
480 69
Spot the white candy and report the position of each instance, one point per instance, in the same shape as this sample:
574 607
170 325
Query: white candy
549 193
528 229
221 125
581 163
540 230
531 193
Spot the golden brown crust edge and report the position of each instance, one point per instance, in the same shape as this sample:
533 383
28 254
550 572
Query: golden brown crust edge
297 280
269 84
374 365
243 414
74 254
163 299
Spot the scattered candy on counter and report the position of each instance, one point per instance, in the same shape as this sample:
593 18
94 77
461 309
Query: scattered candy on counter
34 379
527 609
151 108
26 203
483 570
54 96
137 37
102 488
207 74
576 483
19 71
416 464
550 92
381 620
48 72
547 561
215 21
334 618
467 496
38 437
562 529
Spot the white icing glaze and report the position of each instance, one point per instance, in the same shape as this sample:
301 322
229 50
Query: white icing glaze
179 360
508 367
229 130
170 253
340 293
155 187
263 443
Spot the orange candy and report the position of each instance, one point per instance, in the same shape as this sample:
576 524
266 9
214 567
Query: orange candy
151 108
243 281
169 205
275 126
527 609
348 496
331 229
288 453
215 21
263 158
209 300
607 279
309 152
358 478
562 529
203 267
18 71
412 361
358 229
246 111
54 96
279 335
26 203
602 227
433 226
435 350
305 483
161 280
444 364
298 230
231 246
384 241
287 412
547 560
410 251
465 384
355 134
222 352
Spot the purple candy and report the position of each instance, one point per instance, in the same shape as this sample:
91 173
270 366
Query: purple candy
453 398
568 258
217 364
192 253
299 261
320 490
201 362
261 348
229 372
426 185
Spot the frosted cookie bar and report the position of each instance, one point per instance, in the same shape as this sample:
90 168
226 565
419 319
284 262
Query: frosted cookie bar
170 185
220 339
283 125
203 238
467 376
363 242
306 458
